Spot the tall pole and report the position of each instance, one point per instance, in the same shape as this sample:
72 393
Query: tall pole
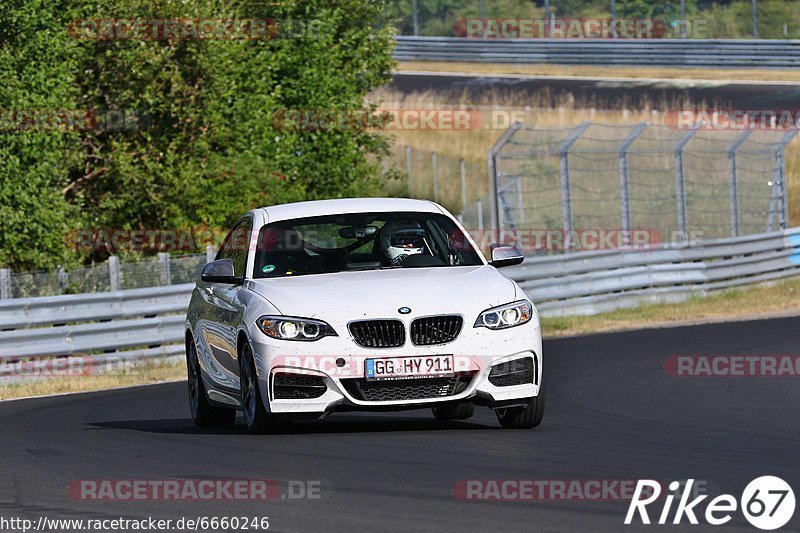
683 19
414 19
547 18
613 18
755 20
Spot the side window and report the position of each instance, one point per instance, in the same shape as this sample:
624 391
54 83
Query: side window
236 246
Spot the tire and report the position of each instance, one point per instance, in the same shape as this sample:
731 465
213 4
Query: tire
203 413
256 417
453 411
523 417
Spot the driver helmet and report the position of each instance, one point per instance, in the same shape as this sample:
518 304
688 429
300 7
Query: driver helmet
400 240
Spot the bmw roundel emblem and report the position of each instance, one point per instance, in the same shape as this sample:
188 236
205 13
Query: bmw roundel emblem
404 310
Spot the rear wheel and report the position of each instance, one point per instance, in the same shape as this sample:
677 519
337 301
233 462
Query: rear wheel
203 413
256 417
526 417
453 411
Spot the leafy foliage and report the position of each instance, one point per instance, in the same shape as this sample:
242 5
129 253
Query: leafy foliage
203 144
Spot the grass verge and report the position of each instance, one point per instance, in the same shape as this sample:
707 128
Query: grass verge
143 374
762 75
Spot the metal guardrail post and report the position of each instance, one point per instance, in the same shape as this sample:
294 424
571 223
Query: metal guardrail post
462 166
113 272
680 182
566 198
408 169
435 173
5 284
493 190
733 181
165 276
623 180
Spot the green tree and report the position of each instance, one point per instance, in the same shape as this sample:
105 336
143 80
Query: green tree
207 146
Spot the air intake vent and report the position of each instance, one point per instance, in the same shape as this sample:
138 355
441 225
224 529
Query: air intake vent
378 333
407 389
435 329
298 386
516 372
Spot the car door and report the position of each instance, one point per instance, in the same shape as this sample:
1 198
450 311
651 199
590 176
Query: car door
223 311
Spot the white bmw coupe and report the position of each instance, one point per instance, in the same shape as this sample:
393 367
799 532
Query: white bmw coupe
360 304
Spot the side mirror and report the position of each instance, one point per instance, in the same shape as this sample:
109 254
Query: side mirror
506 255
220 271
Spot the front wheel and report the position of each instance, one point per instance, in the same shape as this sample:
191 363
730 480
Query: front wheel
203 413
256 417
526 417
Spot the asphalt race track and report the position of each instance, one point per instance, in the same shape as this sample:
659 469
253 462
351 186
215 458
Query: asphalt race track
610 92
613 412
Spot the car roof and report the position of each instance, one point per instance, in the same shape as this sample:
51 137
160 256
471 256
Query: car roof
347 205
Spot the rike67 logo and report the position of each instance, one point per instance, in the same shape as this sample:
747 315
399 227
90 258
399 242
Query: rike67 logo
767 503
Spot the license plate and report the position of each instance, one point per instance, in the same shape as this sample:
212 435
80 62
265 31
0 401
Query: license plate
432 366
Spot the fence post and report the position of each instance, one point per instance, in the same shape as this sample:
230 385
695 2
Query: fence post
463 170
408 169
479 208
566 199
623 180
435 172
113 272
211 252
63 278
5 284
494 201
733 180
165 273
680 182
784 213
779 190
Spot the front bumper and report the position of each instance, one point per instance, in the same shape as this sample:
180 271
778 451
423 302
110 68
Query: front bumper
338 363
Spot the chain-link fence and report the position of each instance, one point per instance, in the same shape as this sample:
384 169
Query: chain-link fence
648 184
452 182
643 181
111 275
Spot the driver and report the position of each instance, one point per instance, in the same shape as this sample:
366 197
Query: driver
400 240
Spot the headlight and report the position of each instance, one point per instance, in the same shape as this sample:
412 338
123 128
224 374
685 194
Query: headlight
505 316
295 329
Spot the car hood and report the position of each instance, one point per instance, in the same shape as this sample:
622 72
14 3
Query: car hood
380 293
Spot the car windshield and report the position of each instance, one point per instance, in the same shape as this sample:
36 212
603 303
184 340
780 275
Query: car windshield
361 241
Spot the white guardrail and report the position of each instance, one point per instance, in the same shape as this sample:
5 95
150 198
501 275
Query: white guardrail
750 53
140 324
